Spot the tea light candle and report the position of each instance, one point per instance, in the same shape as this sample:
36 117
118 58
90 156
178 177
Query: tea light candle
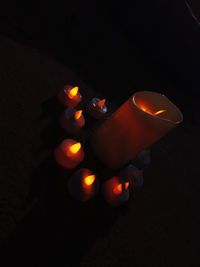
116 191
70 96
72 121
69 154
83 185
97 108
137 124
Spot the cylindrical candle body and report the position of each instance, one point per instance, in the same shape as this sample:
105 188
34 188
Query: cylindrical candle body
131 129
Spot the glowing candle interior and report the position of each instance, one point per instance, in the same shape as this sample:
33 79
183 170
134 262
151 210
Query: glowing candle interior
159 112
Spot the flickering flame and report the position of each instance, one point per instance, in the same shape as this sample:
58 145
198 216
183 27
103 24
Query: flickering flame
101 103
73 92
159 112
78 114
118 189
126 185
75 148
89 180
151 113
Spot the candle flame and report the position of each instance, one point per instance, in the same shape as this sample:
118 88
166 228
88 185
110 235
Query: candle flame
89 180
75 148
126 185
101 103
78 114
151 113
159 112
73 92
117 189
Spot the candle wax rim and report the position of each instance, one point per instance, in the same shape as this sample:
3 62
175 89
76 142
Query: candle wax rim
154 116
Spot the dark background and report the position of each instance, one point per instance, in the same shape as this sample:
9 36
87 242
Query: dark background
115 48
145 45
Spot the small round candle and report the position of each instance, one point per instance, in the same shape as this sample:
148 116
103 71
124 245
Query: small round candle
97 108
72 121
70 96
116 191
83 184
69 154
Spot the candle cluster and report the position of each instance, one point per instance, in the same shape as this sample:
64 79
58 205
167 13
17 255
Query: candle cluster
120 142
83 183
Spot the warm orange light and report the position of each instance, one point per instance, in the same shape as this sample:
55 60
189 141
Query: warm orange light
89 180
78 114
144 109
73 92
101 103
151 113
118 189
159 112
126 185
75 148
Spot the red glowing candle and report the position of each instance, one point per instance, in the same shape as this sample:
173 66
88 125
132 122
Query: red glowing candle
116 191
83 184
138 123
72 121
70 96
69 154
97 108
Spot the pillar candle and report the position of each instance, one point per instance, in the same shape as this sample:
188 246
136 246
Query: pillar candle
143 119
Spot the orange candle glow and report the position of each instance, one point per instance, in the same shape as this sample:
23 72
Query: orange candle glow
137 124
83 184
70 96
116 191
97 108
69 154
72 121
